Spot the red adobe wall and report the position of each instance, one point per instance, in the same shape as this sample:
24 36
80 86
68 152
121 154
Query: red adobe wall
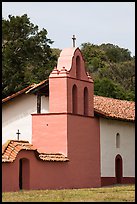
80 84
77 137
54 175
50 132
84 150
58 100
10 176
41 174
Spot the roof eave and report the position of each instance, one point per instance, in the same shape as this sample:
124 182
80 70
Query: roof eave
104 115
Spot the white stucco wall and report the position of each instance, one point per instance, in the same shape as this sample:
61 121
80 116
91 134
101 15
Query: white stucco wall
108 130
16 114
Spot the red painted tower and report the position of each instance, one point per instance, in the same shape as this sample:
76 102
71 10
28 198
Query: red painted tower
70 127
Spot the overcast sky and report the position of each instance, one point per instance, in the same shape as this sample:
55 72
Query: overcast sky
94 22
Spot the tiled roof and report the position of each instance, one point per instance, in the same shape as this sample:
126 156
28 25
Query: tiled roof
12 147
37 85
17 93
114 108
25 90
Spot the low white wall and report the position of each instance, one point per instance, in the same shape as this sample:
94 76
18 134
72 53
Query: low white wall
16 114
108 130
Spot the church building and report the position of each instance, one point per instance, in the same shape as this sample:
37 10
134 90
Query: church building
69 138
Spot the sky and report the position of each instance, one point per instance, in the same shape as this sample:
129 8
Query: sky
93 22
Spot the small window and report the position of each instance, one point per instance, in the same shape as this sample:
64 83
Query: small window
117 140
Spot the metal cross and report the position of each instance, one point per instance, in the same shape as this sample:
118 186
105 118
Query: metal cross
18 133
74 39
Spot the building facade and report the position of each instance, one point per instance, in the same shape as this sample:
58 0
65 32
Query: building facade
78 139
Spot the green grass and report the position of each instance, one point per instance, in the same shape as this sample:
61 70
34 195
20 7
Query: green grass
121 193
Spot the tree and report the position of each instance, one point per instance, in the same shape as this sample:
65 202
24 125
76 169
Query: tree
112 68
106 87
95 58
115 53
122 73
26 54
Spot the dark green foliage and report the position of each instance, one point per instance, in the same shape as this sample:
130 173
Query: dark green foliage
26 54
112 68
95 58
56 52
115 53
106 87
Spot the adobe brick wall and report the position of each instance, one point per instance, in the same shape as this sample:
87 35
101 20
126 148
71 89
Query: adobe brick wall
49 132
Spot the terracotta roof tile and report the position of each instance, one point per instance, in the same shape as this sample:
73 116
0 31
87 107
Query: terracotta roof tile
17 93
114 108
25 90
52 157
12 147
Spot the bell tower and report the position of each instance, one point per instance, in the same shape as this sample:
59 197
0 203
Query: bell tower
71 106
71 87
70 127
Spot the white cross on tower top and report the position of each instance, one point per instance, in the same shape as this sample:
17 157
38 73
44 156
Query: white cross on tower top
74 40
